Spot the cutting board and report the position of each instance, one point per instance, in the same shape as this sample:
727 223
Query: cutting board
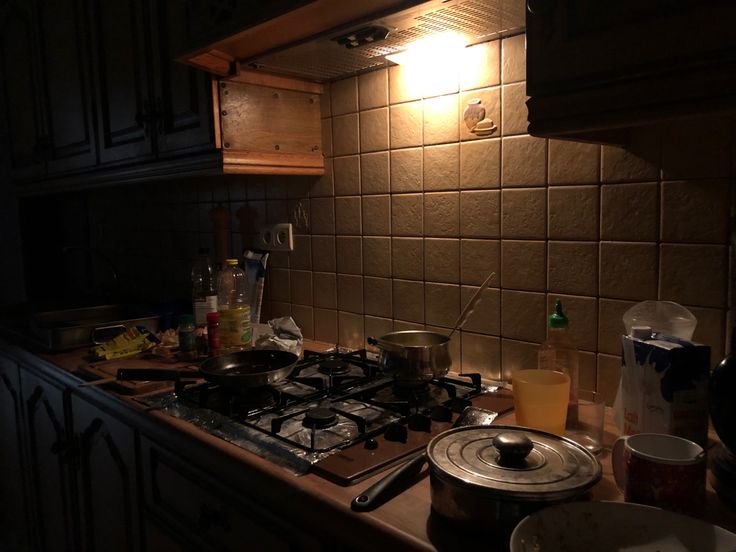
107 369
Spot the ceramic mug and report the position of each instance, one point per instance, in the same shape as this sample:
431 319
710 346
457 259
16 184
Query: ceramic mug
660 470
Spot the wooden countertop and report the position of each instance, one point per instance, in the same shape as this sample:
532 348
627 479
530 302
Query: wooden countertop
406 521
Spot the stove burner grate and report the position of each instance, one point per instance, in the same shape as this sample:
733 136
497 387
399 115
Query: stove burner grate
334 367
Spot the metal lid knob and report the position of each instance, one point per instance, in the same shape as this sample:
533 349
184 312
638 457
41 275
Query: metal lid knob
513 447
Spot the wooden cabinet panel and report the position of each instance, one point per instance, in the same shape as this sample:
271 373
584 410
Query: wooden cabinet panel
182 94
49 454
14 505
206 516
595 69
124 110
106 479
19 100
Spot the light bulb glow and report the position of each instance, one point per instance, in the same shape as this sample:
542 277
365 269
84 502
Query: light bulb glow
436 49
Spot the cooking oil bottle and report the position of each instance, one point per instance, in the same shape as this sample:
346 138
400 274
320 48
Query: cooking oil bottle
236 333
559 353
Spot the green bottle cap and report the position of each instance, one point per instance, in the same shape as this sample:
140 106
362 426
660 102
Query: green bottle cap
558 319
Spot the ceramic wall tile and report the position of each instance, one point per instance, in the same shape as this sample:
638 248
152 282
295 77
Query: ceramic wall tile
346 172
628 270
442 214
442 260
441 167
441 120
407 256
573 162
350 293
347 215
345 135
344 96
376 215
478 259
523 265
374 130
406 215
480 214
696 211
406 125
573 213
480 164
377 256
373 89
572 267
524 161
524 213
406 170
374 173
630 212
349 254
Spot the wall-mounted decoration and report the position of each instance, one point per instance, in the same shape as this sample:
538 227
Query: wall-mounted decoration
475 119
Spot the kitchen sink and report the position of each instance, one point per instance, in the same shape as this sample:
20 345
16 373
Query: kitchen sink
66 329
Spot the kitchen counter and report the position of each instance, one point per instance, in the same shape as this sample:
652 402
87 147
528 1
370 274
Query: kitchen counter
405 522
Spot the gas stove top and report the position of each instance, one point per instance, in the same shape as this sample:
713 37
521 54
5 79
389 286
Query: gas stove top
337 414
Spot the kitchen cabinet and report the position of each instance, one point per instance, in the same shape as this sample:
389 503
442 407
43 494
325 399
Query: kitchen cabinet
13 513
595 69
81 468
49 462
203 514
106 479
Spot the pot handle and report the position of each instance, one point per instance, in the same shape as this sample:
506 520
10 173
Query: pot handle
383 490
385 345
618 462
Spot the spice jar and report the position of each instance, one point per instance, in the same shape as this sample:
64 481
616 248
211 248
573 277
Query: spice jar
187 338
213 332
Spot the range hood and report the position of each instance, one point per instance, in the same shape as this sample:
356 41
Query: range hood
326 40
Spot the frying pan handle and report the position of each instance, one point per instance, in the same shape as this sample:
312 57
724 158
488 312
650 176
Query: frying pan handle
153 374
389 486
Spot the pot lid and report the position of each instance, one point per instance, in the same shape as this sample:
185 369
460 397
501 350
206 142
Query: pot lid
513 462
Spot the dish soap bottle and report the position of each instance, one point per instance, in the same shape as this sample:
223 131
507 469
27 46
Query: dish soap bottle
233 308
559 353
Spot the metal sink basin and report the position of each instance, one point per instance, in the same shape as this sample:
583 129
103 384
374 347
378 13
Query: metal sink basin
62 330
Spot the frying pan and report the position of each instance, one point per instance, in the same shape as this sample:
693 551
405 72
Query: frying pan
253 368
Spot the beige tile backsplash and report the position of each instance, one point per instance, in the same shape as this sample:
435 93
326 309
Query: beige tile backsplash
414 211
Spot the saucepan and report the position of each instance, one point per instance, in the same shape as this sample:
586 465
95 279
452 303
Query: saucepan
254 368
416 356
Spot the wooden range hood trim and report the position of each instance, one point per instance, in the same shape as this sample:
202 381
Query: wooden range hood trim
248 162
298 25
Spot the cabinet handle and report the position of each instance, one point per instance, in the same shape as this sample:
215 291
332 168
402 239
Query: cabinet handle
212 517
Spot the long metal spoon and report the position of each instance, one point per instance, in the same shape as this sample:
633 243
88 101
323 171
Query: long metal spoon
386 488
470 307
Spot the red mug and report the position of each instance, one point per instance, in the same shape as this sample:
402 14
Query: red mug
660 470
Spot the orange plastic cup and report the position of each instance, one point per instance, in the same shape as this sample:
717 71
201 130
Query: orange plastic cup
540 399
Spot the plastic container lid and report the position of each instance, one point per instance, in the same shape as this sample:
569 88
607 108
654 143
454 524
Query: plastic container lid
231 262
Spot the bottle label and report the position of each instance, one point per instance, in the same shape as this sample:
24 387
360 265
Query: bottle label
235 328
203 305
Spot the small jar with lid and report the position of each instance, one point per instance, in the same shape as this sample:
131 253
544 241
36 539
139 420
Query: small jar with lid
213 333
187 338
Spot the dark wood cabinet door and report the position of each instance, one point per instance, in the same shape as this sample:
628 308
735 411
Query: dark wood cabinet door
125 114
65 70
21 116
106 480
13 506
50 452
182 93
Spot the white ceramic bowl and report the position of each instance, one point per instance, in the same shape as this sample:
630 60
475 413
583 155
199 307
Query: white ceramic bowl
616 527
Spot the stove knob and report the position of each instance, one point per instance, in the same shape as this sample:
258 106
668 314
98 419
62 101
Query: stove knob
396 432
419 422
371 444
441 413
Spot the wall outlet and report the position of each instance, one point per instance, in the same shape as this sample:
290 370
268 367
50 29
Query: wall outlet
276 237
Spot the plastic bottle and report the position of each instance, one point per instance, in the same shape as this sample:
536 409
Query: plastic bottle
234 311
204 294
559 353
213 333
187 338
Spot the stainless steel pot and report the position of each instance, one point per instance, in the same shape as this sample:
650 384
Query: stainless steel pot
414 356
500 474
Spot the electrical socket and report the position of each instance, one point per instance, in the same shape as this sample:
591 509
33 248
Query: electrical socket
276 237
